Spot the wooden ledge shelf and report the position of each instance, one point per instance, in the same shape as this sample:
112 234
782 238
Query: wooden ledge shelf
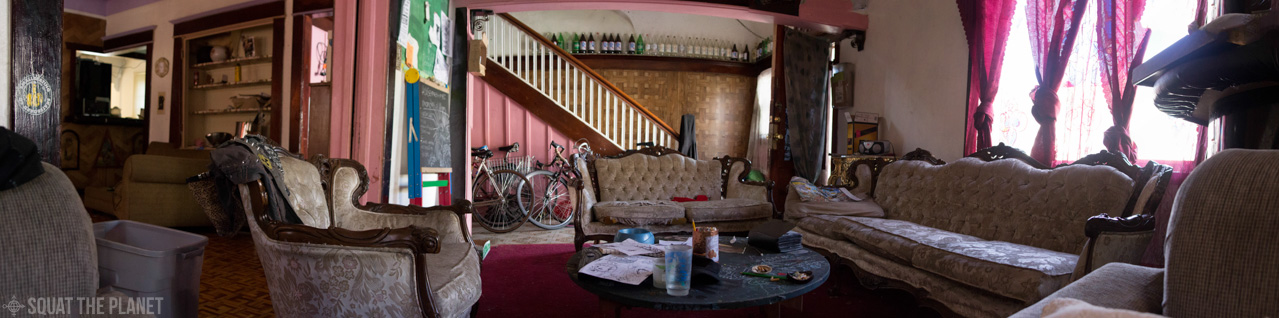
673 63
232 62
230 85
230 111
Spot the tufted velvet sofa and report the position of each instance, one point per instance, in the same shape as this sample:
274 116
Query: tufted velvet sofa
634 190
993 233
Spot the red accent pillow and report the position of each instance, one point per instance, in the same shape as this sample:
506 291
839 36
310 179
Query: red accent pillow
697 198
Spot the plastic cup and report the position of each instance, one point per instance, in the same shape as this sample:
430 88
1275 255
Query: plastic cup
679 269
659 275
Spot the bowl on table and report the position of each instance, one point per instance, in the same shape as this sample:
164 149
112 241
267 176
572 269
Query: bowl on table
639 235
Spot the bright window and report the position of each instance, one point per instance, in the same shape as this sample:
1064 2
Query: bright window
1085 114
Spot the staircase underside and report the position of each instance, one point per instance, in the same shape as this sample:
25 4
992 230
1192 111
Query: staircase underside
546 109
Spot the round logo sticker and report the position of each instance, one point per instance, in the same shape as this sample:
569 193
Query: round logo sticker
33 95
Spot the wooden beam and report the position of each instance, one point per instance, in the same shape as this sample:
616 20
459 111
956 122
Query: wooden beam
36 73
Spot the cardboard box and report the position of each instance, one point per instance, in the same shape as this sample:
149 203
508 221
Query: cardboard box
477 53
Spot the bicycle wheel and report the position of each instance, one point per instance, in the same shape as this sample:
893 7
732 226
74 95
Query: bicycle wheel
552 207
499 205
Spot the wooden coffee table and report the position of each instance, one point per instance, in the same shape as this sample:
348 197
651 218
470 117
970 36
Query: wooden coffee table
733 291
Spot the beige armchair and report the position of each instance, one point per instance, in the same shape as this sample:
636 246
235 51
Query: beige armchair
1221 258
353 260
153 188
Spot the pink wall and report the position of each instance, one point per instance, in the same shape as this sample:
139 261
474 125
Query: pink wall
825 15
497 121
343 80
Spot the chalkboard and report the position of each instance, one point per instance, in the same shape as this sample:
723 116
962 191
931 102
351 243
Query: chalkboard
433 118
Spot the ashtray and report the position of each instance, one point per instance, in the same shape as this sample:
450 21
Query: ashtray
801 276
761 269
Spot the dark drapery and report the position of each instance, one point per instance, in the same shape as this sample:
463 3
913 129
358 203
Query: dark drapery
1053 26
1119 53
986 25
807 61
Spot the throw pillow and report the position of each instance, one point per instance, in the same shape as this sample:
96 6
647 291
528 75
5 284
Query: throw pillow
1071 308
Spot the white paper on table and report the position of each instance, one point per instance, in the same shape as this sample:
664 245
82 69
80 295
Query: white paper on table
631 247
623 269
688 242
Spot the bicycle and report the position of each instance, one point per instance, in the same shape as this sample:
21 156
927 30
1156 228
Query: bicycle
552 204
500 192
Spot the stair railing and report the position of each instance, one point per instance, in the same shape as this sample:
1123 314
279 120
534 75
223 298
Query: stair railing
573 86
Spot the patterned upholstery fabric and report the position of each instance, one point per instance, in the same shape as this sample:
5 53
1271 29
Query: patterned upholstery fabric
1074 308
727 210
381 280
1012 270
622 181
308 200
644 177
313 280
1003 200
964 300
739 190
1118 285
49 248
1221 255
638 213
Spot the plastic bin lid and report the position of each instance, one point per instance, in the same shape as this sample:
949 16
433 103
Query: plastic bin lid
146 239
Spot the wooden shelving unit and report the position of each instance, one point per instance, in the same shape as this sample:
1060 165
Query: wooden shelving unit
207 98
674 63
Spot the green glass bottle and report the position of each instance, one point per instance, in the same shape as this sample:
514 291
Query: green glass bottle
577 45
639 44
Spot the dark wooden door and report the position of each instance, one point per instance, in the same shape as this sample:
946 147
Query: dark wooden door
36 72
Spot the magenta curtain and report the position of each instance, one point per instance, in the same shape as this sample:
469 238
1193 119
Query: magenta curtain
986 24
1053 26
1119 53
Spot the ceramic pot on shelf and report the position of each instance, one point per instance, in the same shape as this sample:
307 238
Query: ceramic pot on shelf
218 54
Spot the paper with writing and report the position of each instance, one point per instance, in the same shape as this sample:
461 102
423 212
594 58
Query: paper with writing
623 269
631 247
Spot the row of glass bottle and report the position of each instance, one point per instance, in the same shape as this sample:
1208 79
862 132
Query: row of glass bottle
662 45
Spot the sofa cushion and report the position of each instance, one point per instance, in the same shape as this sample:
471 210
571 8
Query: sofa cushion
637 213
797 208
1016 271
644 177
896 239
727 210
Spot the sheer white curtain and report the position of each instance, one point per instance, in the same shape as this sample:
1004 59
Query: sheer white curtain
757 146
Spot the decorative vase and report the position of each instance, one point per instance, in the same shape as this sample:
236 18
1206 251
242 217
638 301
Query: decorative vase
218 54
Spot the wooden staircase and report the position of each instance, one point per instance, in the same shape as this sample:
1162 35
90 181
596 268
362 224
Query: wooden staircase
565 93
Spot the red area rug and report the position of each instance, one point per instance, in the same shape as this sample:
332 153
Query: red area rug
530 281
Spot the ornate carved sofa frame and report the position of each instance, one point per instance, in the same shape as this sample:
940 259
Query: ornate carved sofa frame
731 190
1101 238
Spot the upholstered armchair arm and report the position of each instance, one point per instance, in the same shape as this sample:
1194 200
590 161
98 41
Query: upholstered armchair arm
348 181
450 220
1114 240
736 186
390 262
1120 286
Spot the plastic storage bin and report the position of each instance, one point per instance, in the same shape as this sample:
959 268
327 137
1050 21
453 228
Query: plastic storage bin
143 260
